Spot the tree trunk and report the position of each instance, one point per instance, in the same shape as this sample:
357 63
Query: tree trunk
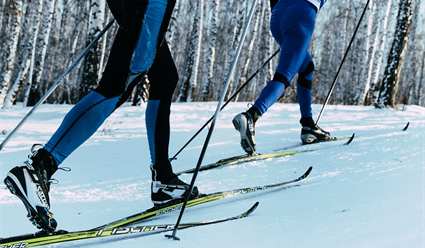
40 58
28 57
373 91
11 49
211 52
246 65
190 77
395 58
237 33
92 59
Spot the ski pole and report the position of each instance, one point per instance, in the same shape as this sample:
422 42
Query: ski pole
56 84
204 148
227 102
340 66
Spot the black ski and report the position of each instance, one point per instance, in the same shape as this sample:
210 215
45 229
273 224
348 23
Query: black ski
43 238
254 157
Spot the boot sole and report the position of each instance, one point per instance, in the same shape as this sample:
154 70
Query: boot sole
15 189
245 143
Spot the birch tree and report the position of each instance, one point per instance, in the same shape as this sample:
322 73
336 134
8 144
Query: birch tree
11 50
375 68
27 62
92 59
371 39
42 44
236 37
211 52
250 47
190 77
395 59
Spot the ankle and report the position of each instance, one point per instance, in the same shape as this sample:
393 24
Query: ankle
307 122
162 172
44 162
254 113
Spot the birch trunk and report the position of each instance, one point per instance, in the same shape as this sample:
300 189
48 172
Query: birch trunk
376 67
27 62
246 65
40 58
395 59
237 33
190 77
11 49
211 52
92 59
371 39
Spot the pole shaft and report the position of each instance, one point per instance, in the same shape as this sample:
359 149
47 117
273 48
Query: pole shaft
227 102
204 148
340 66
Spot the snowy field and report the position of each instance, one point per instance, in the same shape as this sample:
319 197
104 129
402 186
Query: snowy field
368 194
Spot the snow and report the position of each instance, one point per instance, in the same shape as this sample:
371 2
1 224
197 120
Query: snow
368 194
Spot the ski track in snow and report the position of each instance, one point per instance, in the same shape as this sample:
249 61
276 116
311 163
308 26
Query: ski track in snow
368 194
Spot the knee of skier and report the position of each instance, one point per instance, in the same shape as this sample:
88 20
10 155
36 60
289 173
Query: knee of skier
305 78
279 77
114 85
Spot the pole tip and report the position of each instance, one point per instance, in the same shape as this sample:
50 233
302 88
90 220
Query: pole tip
172 237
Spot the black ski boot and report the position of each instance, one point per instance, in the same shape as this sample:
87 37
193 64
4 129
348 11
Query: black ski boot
30 182
167 189
311 133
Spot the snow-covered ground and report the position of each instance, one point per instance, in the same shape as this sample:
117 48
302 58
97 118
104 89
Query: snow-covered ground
368 194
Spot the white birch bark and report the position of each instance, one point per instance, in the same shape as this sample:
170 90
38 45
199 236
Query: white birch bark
371 39
211 56
92 59
395 59
378 54
42 45
169 37
236 37
190 76
246 64
5 77
26 65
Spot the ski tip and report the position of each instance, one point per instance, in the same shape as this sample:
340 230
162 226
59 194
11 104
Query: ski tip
252 209
306 174
350 139
407 126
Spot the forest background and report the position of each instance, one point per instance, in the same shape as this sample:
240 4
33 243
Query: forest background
39 39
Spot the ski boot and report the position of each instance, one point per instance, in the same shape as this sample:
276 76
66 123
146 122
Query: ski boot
30 183
166 188
244 123
311 133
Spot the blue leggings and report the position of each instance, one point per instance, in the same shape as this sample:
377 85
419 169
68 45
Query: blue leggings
292 25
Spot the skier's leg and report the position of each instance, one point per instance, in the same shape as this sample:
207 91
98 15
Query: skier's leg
89 114
305 77
292 25
163 78
30 180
